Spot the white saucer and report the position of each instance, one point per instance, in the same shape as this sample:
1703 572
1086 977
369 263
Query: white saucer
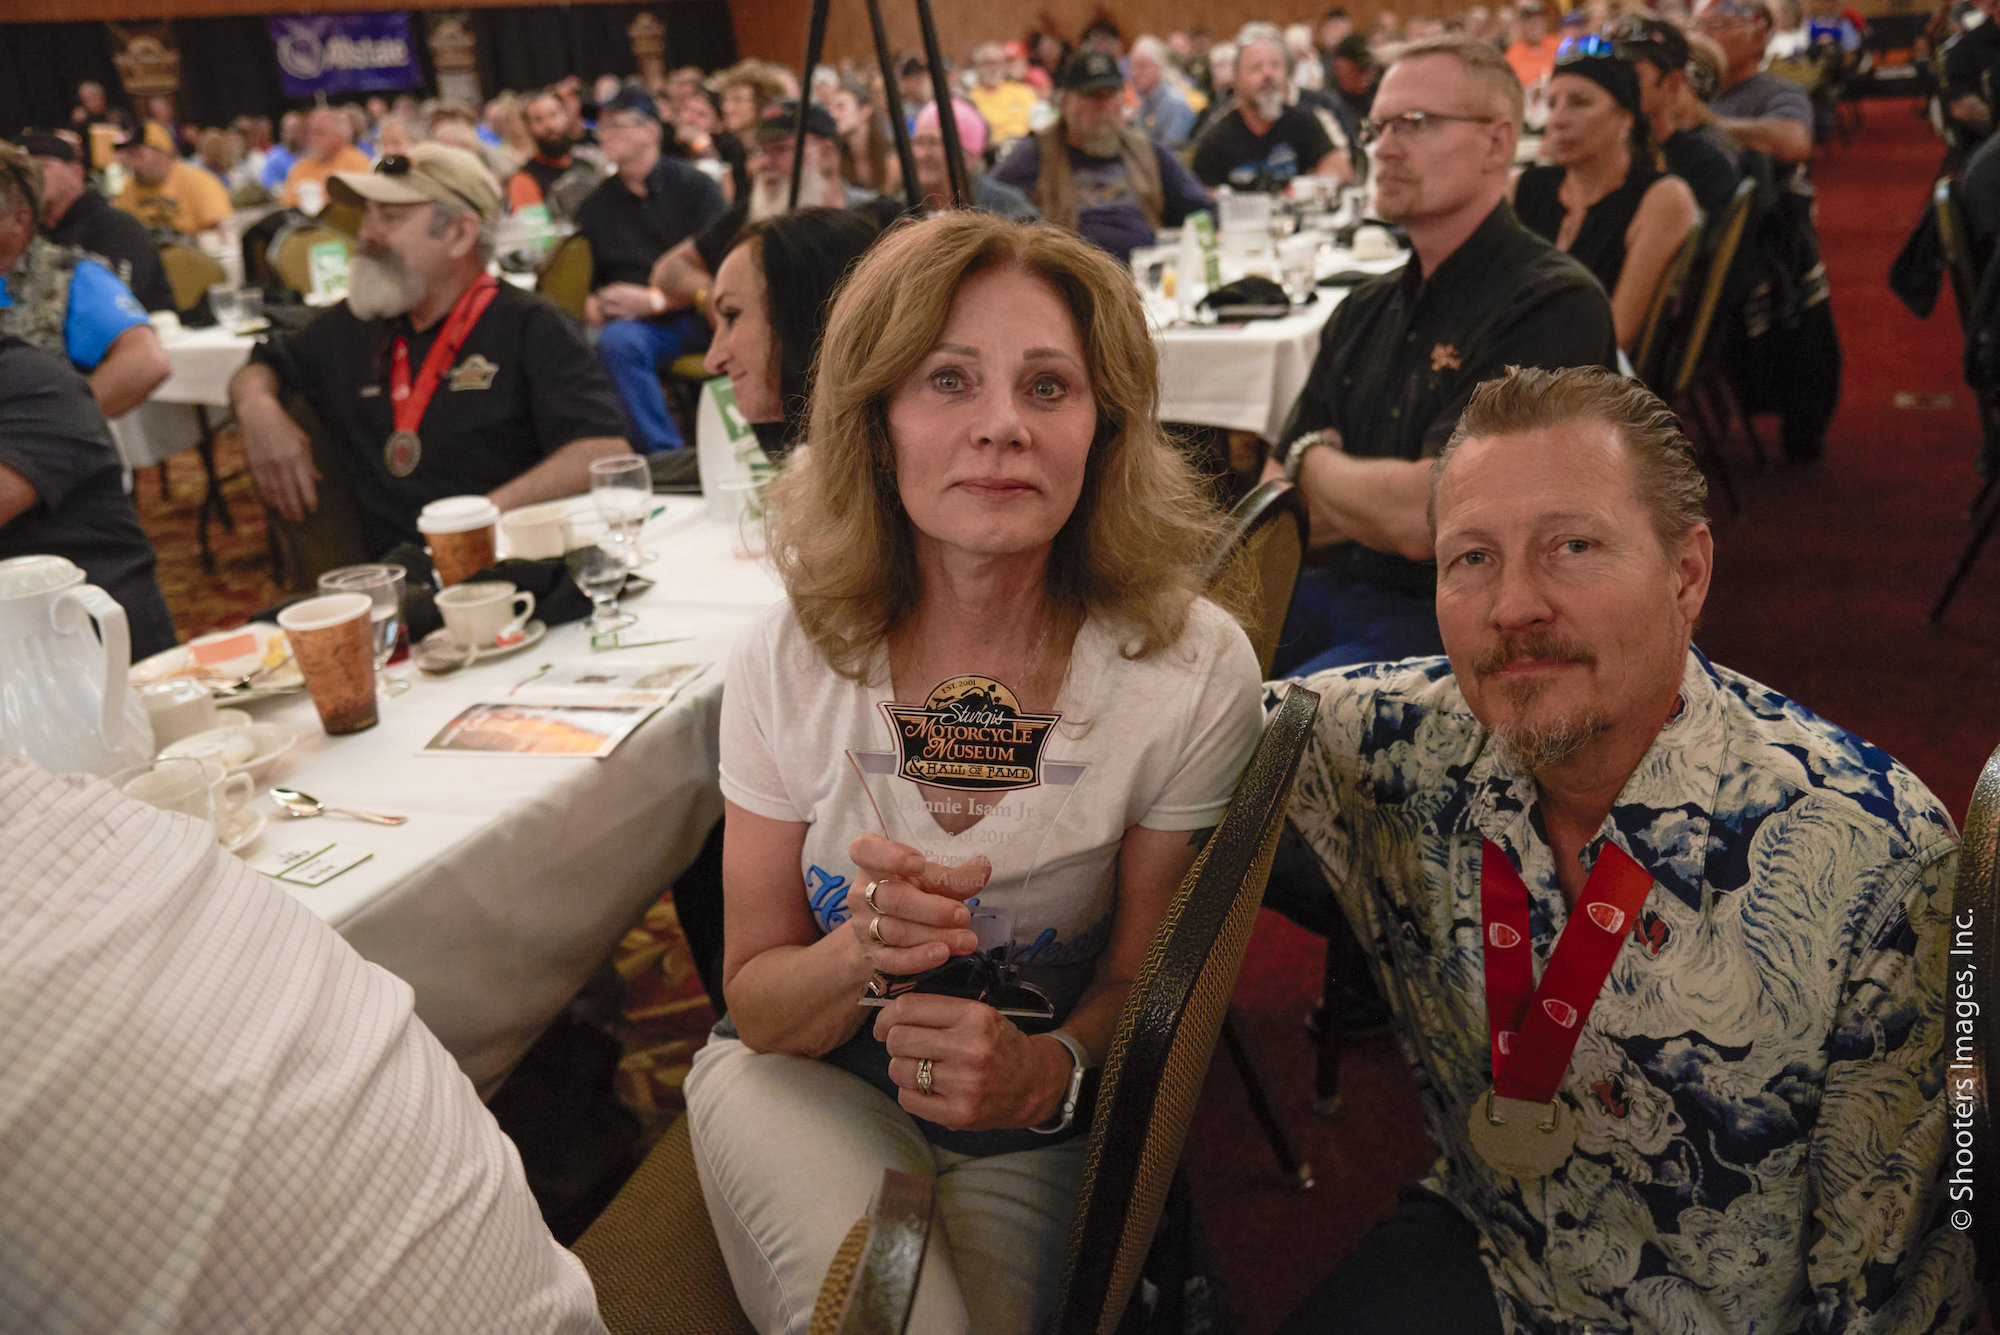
531 635
243 826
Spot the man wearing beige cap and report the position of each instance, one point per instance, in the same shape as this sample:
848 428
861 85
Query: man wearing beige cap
431 379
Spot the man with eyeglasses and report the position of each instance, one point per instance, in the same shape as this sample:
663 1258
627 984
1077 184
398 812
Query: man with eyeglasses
1402 353
653 203
431 379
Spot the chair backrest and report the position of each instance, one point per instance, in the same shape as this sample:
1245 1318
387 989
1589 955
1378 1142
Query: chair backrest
1649 351
1258 562
1955 240
290 255
652 1254
1159 1055
342 218
190 273
565 275
872 1282
1976 898
1735 222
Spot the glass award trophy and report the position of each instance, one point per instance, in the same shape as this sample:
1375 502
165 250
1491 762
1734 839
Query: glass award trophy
967 786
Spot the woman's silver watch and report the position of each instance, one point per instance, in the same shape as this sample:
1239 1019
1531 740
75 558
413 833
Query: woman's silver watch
1079 1065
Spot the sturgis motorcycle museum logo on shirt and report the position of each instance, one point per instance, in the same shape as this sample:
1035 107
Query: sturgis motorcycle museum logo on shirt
971 734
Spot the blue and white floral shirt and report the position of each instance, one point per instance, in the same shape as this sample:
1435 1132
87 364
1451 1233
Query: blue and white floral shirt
1761 1091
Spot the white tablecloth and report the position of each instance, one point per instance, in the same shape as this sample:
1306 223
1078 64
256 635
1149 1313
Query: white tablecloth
202 361
1246 377
516 875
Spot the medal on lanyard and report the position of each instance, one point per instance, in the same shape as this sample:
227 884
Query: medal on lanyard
407 402
1519 1126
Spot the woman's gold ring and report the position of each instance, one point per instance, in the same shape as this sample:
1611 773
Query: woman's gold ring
924 1076
875 931
869 896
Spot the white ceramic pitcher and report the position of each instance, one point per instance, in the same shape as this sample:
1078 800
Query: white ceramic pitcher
65 651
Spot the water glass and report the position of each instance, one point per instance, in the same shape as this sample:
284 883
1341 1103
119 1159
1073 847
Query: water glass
601 574
1298 258
384 585
622 489
227 304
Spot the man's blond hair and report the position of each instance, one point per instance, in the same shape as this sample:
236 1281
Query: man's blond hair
1481 61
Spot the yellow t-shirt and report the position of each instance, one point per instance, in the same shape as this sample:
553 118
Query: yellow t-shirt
189 200
349 159
1006 109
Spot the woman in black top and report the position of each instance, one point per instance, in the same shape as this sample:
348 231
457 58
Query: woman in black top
1599 194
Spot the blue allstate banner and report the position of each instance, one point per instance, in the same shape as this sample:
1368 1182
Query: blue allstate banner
345 53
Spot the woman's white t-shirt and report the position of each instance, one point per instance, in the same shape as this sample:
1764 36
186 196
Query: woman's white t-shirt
1159 742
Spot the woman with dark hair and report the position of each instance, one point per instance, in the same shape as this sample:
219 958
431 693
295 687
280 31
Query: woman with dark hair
772 291
868 160
1600 195
990 542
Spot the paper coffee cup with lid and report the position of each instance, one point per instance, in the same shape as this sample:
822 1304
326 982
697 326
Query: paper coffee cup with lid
461 533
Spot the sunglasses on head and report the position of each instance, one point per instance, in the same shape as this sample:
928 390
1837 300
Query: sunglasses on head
1585 47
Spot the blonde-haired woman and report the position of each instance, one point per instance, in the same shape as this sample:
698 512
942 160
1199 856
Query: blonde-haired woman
987 496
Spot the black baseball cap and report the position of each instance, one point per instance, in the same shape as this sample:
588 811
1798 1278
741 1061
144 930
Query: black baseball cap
631 97
48 144
1090 72
781 121
1354 49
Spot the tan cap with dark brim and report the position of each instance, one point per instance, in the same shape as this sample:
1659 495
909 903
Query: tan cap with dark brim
427 174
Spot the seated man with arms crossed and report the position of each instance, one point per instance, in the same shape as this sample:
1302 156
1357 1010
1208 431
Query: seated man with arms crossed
1402 354
431 378
1665 951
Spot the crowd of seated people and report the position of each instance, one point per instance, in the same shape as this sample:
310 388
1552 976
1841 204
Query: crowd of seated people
1508 555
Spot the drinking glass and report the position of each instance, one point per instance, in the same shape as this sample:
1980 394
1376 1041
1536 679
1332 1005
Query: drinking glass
600 573
227 303
384 586
622 489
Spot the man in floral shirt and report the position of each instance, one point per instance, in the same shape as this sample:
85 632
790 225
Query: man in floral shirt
1746 1107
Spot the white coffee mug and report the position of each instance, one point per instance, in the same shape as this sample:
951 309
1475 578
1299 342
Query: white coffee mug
535 532
185 785
178 708
479 612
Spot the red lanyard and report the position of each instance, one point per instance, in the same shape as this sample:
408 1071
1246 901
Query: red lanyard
407 404
1535 1029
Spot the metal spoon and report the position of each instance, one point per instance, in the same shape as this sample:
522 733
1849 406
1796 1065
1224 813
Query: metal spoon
301 805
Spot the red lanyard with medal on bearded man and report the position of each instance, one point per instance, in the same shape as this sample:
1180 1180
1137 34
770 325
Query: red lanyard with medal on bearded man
407 402
1518 1126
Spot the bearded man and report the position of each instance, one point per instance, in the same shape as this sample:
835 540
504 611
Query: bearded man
1266 139
431 379
1666 952
1091 173
554 176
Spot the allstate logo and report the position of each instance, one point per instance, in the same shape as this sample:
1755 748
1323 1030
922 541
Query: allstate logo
300 54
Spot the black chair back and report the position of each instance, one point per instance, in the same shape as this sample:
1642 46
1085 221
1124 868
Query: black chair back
1160 1053
1669 309
1256 566
1722 262
1955 240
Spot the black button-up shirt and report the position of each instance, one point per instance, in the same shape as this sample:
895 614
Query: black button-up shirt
1402 355
628 233
525 385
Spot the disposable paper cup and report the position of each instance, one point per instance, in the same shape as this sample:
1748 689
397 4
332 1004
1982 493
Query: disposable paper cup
331 640
460 531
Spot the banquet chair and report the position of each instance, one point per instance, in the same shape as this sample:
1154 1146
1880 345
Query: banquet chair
190 273
1257 565
1652 348
1975 305
1694 384
1976 895
872 1282
330 535
290 256
1152 1076
565 275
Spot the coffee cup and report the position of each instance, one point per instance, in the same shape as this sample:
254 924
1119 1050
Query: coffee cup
165 323
178 708
460 531
477 614
333 643
184 785
1373 243
536 532
231 748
